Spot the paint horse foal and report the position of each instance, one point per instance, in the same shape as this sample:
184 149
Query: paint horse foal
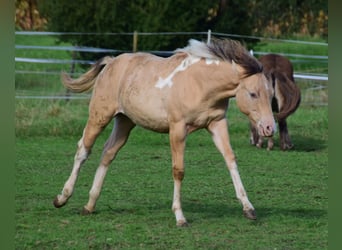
175 95
285 101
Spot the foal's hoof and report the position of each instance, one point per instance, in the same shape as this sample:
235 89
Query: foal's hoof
250 214
182 223
57 204
85 211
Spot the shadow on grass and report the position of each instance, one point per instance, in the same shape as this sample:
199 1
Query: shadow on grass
303 213
263 213
308 144
304 143
215 210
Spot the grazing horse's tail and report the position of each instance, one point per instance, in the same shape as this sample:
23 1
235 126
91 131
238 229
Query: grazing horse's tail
289 93
87 80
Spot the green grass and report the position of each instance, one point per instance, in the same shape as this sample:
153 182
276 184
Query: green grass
288 189
50 117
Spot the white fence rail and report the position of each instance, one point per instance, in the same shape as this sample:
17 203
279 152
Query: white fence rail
296 58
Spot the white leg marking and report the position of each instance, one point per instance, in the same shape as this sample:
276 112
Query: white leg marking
221 140
186 63
80 157
96 187
176 205
239 188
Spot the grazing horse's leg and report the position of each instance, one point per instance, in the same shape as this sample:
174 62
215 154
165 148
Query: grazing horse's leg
85 144
117 139
255 138
177 143
219 132
285 140
258 140
270 143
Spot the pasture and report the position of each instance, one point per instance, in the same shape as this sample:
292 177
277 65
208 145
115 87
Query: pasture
289 190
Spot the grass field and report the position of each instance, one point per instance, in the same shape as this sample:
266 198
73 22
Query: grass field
288 189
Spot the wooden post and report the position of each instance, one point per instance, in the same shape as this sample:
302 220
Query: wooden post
135 41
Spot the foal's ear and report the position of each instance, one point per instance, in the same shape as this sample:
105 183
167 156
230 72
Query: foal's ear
234 65
236 68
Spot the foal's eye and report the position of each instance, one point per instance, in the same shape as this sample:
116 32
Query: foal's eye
253 95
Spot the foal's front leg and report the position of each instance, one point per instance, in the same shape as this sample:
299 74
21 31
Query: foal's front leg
219 132
177 143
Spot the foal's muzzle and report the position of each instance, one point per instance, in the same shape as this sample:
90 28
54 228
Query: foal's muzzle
266 128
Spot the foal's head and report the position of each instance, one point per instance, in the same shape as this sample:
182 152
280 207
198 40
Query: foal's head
253 98
254 92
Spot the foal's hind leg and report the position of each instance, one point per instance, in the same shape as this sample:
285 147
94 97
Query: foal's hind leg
118 138
85 144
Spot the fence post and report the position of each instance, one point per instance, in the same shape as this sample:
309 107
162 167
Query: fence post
209 36
135 41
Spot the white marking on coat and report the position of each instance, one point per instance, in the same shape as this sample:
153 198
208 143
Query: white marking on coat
186 63
209 61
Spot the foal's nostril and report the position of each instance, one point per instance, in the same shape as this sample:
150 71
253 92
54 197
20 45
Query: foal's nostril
269 129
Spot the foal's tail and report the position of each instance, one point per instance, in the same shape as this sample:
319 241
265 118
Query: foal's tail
87 80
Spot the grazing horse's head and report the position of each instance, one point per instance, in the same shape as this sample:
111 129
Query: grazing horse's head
253 98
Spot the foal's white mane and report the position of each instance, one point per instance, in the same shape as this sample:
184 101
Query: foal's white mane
198 49
195 50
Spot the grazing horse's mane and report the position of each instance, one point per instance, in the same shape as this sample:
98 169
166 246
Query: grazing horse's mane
227 50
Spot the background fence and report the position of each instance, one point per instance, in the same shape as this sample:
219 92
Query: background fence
40 60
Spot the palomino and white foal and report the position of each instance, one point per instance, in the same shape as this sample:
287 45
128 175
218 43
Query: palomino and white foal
176 95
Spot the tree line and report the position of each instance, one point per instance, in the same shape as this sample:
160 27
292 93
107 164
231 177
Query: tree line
270 18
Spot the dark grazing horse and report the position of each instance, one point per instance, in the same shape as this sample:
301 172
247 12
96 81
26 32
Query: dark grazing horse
286 98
